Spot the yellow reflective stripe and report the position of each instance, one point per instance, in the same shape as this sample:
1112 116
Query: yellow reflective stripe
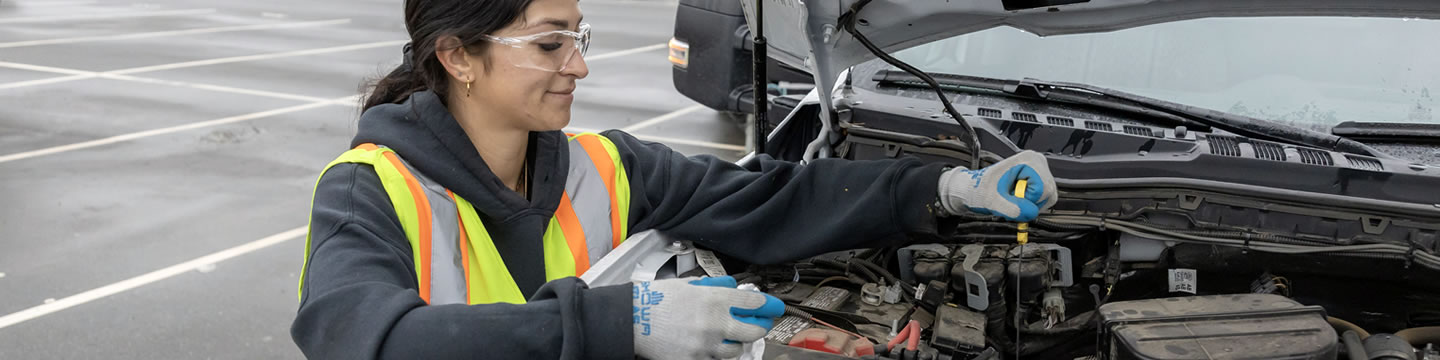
558 261
490 280
622 187
400 197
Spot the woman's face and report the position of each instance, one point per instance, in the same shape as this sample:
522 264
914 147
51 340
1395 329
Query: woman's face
509 86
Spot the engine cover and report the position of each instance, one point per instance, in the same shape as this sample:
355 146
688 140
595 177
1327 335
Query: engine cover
1242 326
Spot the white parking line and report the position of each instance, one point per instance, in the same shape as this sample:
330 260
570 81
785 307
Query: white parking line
40 4
662 118
348 100
147 278
108 15
35 5
217 88
81 75
283 54
156 34
20 84
626 52
42 68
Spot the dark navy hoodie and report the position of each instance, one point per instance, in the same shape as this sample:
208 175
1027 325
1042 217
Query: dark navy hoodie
360 301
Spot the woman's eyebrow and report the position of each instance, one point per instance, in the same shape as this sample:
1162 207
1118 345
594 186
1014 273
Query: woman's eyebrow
561 23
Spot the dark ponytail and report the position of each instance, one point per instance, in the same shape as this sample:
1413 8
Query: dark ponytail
431 20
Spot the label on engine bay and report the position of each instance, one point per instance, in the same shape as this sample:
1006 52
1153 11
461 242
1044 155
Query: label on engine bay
709 262
1182 280
825 298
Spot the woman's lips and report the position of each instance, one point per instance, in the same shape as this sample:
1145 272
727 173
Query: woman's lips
566 94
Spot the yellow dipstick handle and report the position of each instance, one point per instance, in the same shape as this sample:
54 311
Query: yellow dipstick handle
1023 236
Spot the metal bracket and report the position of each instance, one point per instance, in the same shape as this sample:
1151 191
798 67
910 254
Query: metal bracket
642 257
906 258
1063 278
977 292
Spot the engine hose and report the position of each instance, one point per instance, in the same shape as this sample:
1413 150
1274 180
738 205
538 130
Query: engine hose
1011 227
1237 235
1354 349
848 268
1341 326
1064 226
1420 336
879 270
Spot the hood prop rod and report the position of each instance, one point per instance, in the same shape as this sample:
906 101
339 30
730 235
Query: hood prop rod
760 79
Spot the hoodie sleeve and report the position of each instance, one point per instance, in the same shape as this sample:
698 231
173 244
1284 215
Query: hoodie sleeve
359 297
776 210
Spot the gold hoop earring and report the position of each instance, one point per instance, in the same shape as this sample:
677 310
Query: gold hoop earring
467 88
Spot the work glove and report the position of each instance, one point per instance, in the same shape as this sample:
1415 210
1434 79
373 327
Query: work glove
991 190
699 318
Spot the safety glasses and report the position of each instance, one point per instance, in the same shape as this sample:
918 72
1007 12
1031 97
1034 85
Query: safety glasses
547 51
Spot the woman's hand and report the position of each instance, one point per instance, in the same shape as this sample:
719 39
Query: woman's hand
991 191
699 318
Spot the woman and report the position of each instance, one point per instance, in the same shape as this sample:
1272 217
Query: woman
456 225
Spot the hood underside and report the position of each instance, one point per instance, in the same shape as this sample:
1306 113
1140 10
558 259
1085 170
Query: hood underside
807 34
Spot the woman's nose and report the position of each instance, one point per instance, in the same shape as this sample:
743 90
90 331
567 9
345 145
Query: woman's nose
576 67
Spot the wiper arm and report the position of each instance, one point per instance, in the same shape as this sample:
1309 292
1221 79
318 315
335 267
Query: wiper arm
1202 119
1039 91
1394 132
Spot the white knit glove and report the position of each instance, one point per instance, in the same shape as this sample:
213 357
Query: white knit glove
991 191
699 318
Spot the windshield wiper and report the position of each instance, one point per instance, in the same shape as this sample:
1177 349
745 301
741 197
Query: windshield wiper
1390 132
1197 118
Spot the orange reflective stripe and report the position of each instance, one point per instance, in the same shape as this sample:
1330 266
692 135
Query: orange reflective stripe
422 205
574 234
367 147
464 247
606 166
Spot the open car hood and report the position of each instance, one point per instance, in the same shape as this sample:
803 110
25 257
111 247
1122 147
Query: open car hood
806 34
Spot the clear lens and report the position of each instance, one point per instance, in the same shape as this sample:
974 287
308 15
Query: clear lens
548 51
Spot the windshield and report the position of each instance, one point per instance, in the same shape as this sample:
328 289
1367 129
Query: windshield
1312 72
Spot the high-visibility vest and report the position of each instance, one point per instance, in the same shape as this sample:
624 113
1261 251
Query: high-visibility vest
455 259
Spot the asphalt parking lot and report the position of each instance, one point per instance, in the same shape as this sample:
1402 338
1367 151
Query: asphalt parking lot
157 158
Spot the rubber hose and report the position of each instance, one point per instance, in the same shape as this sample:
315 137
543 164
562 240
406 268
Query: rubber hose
847 268
879 270
1009 227
1236 235
857 268
1353 348
1420 336
1342 326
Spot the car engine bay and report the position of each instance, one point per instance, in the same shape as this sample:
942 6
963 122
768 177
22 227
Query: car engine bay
1094 290
1167 243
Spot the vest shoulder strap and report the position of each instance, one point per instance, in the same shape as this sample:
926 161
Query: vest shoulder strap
406 195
